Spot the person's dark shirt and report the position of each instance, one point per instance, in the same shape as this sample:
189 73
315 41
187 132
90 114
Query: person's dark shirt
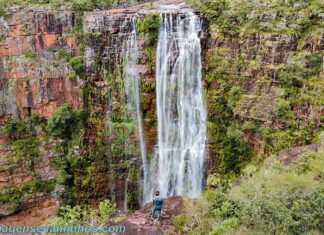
157 202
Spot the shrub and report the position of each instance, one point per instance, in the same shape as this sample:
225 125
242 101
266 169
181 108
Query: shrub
234 96
226 226
315 62
3 5
148 27
64 122
77 64
106 3
25 152
235 152
15 129
11 197
30 55
83 5
86 215
292 76
179 221
283 109
36 120
38 185
72 75
274 200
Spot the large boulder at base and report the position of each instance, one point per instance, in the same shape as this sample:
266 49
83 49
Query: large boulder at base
140 223
290 155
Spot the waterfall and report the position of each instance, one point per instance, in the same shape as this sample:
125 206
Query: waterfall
180 107
177 168
131 81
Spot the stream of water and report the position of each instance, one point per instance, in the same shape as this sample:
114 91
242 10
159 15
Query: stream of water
177 168
131 80
180 108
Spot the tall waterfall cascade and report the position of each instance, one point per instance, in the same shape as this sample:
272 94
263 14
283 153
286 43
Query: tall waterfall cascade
178 165
131 81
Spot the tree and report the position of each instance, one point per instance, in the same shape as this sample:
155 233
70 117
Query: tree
64 122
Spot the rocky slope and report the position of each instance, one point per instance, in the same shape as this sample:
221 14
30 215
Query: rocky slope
140 223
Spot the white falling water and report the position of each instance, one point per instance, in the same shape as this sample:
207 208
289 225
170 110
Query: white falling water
180 108
131 80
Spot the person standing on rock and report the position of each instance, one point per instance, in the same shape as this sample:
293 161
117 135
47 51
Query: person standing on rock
157 206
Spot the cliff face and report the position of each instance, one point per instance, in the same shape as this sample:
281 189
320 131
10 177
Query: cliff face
55 55
250 91
263 76
33 78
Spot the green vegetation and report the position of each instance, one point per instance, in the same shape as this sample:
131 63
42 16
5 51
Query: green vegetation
24 143
256 105
3 5
264 92
235 152
75 62
275 199
148 28
85 5
81 5
67 125
121 131
11 197
64 122
133 190
234 16
77 65
15 129
30 55
87 215
78 29
26 152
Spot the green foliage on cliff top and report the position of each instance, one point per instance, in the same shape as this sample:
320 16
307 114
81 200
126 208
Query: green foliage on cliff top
82 5
149 27
275 199
240 16
87 5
